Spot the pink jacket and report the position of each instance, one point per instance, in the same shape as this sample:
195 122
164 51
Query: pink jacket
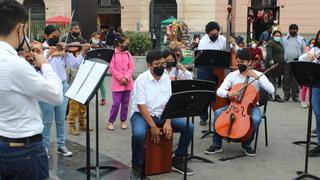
121 66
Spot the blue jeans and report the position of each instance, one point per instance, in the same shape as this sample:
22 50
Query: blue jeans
316 109
204 73
59 113
22 163
139 130
255 117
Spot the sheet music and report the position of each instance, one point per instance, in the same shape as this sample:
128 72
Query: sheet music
86 80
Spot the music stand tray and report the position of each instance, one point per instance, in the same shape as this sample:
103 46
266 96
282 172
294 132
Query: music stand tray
103 54
186 104
307 74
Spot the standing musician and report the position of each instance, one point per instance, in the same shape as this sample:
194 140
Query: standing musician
233 78
212 41
22 153
152 90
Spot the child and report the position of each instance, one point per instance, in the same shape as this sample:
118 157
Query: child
122 69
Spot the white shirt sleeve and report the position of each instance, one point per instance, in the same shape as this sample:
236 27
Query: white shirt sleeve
186 75
72 61
265 83
202 43
225 86
46 88
139 92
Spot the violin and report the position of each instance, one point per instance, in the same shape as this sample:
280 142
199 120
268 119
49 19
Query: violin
235 122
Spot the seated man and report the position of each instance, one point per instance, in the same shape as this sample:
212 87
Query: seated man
239 76
152 90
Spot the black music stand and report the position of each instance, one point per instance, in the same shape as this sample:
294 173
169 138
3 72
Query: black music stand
193 85
212 59
307 74
97 55
186 104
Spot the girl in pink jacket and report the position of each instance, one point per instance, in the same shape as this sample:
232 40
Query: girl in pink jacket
122 69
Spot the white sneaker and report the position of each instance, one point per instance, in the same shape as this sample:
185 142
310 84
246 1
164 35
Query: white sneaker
64 151
304 104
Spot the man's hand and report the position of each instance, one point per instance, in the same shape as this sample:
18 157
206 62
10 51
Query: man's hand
232 41
252 74
181 66
39 59
167 129
233 94
155 134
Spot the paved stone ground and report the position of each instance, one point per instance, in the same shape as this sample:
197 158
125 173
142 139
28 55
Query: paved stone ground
280 160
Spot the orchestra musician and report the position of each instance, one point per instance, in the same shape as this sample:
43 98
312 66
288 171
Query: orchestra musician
59 60
244 62
152 90
212 41
174 69
22 153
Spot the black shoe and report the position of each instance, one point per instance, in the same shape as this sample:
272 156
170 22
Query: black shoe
249 151
296 100
136 173
315 152
203 123
178 165
277 98
64 151
213 150
314 132
286 99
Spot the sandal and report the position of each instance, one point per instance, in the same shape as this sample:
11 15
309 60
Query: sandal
123 125
110 126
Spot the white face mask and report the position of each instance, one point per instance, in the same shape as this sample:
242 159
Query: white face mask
95 41
253 46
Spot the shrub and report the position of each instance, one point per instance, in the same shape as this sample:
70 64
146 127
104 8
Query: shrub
140 43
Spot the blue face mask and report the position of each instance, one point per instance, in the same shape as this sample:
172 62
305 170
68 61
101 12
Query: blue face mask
311 45
277 39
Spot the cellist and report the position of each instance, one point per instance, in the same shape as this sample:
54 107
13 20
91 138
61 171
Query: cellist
244 63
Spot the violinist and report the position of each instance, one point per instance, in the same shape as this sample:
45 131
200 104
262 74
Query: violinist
75 34
59 60
21 88
233 78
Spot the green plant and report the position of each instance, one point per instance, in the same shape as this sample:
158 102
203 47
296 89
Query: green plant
140 43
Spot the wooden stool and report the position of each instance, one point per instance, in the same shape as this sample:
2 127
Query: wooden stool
157 157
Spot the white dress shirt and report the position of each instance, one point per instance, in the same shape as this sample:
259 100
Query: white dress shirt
220 44
184 75
236 77
152 93
315 51
21 87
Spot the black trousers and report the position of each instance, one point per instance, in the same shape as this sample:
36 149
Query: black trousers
290 84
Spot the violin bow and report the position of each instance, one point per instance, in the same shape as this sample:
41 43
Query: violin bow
272 67
69 26
196 57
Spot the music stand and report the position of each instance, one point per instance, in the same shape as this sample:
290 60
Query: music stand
104 56
193 85
186 104
307 74
212 59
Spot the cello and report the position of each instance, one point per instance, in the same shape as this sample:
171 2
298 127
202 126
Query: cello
235 122
220 73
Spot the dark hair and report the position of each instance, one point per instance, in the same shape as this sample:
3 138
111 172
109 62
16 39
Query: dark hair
119 39
317 42
168 52
212 26
275 32
153 56
311 40
293 26
50 29
11 14
244 55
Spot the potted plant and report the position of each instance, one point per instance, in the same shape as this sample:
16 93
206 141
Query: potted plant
140 44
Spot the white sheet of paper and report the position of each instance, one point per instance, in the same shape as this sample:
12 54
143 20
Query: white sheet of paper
85 81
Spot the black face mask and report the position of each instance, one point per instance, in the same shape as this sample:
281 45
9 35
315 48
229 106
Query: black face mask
171 64
124 48
293 34
158 71
242 67
53 41
75 34
214 38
